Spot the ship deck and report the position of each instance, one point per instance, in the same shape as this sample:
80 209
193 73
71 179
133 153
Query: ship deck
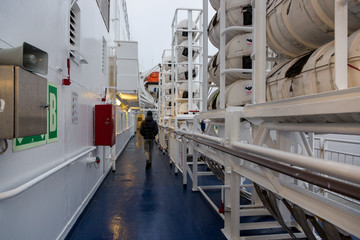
133 203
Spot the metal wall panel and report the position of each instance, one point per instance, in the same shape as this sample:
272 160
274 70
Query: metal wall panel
30 99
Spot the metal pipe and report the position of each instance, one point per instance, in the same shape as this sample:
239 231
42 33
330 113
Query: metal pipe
237 70
265 158
237 28
342 171
16 191
307 144
210 138
340 128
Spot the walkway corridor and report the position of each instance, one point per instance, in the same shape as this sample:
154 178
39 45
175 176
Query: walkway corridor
134 204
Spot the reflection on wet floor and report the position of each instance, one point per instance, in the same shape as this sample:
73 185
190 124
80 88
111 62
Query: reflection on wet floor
135 204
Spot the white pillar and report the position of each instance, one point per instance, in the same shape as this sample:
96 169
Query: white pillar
341 46
259 36
222 53
235 205
205 78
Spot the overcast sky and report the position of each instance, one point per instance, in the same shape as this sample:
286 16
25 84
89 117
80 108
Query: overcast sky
150 25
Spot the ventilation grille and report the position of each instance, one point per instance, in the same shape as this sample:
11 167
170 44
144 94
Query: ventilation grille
74 33
104 47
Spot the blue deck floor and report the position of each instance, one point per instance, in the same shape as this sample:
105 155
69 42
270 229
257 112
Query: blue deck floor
135 204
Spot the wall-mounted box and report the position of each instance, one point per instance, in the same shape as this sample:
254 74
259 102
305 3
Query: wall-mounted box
23 98
127 66
105 133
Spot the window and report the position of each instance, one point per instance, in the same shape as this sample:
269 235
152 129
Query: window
104 6
74 33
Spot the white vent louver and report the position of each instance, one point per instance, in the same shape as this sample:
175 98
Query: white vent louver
104 47
74 33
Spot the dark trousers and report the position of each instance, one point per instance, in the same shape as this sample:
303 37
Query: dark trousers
148 146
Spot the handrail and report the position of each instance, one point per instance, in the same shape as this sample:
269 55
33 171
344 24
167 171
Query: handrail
237 28
272 159
184 9
343 171
331 184
16 191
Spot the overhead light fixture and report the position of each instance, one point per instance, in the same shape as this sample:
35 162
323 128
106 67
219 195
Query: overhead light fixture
128 97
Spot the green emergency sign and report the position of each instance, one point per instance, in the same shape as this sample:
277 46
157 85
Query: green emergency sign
52 114
52 128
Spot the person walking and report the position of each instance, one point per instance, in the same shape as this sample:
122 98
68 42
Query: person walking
148 129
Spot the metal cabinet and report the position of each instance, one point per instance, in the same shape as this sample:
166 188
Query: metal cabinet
23 103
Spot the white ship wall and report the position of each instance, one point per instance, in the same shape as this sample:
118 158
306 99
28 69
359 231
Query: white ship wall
48 209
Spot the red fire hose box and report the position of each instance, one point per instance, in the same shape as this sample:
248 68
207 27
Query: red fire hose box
105 133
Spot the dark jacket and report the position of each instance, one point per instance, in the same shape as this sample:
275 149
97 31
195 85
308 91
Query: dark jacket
149 128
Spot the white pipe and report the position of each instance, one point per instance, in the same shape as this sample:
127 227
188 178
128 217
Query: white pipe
210 138
237 28
339 170
237 70
307 144
16 191
343 128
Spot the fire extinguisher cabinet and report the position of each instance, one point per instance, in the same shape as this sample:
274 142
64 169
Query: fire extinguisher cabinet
105 125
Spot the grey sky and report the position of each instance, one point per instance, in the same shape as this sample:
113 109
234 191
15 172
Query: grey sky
150 24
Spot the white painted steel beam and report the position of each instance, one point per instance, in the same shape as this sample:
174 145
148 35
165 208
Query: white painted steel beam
222 53
205 56
335 102
235 203
190 61
341 46
259 36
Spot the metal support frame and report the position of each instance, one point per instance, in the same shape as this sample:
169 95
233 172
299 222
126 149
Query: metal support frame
273 164
199 39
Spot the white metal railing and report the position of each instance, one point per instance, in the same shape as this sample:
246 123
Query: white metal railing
288 188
